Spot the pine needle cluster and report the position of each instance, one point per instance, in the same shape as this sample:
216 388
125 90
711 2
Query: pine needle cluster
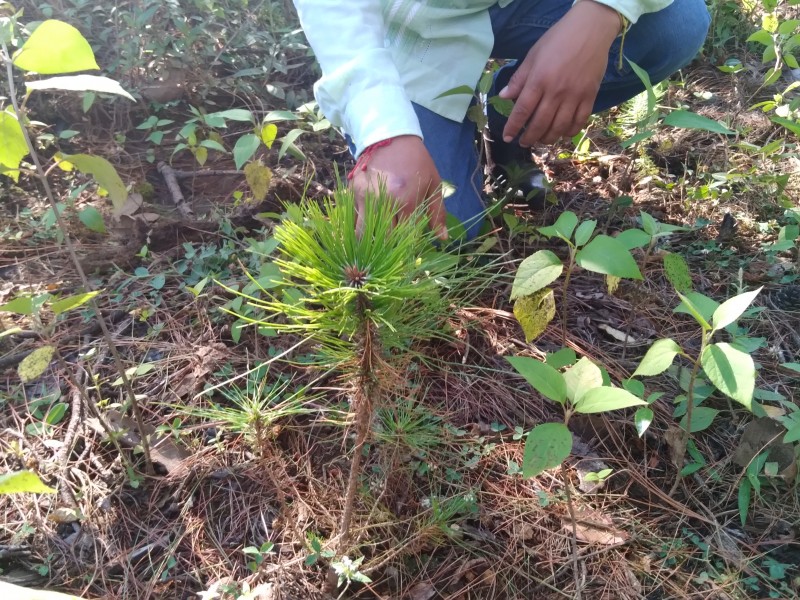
391 277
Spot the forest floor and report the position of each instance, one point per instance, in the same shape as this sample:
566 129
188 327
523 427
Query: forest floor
443 511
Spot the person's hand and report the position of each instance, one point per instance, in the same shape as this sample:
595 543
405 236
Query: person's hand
406 170
555 87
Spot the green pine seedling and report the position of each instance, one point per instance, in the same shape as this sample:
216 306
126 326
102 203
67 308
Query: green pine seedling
363 299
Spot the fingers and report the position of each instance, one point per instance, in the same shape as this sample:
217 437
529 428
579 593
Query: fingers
526 104
359 195
438 215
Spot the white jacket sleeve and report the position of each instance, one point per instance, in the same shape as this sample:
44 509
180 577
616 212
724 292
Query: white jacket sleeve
360 89
633 9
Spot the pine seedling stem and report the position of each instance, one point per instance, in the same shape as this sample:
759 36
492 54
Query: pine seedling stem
366 387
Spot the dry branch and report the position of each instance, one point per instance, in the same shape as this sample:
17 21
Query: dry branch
171 179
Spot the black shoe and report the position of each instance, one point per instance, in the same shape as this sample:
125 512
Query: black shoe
513 167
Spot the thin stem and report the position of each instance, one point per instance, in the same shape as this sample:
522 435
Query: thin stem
564 295
41 175
689 409
574 538
362 404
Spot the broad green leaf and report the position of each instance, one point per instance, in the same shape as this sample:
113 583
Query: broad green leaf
462 89
732 309
606 255
702 417
268 134
792 126
485 82
788 27
22 305
698 306
13 147
658 358
504 106
642 419
280 115
535 312
677 272
544 378
563 227
158 281
634 386
689 120
104 174
604 399
792 434
213 145
537 271
56 414
93 220
36 363
55 47
792 366
561 358
547 446
649 224
732 371
633 238
581 377
258 177
762 37
80 83
244 149
72 302
584 232
289 143
745 491
23 482
234 114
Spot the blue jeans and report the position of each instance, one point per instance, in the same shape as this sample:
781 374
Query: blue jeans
661 43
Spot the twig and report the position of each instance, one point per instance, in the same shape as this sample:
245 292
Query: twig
12 92
171 179
12 360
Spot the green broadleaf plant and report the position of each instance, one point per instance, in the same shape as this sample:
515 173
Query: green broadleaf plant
579 389
597 253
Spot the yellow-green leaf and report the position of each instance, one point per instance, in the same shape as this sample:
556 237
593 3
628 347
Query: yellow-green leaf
36 363
22 305
55 47
23 482
13 147
71 302
104 174
537 271
535 312
268 134
258 178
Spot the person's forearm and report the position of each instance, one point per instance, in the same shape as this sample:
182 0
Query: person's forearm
361 89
